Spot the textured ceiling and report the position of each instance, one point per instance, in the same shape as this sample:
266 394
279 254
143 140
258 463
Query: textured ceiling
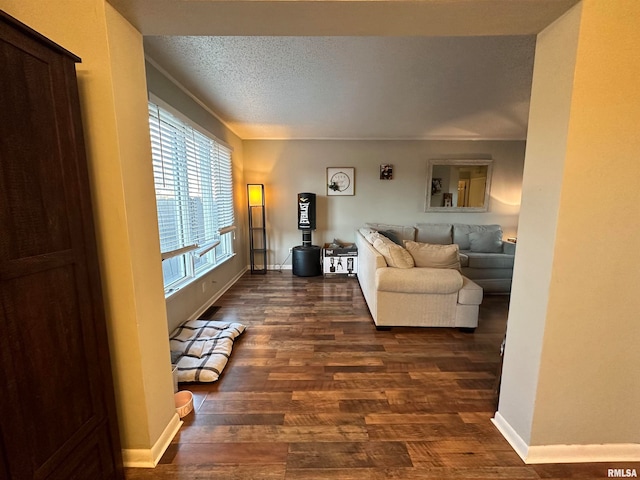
357 87
342 17
419 69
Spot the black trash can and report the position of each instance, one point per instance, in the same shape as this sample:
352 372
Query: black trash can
306 261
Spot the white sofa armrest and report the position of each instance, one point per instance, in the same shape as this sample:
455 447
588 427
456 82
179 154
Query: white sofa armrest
509 248
470 293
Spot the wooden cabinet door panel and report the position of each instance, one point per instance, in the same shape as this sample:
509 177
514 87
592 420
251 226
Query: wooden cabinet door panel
54 360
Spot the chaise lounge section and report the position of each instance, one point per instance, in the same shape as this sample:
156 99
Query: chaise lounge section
398 293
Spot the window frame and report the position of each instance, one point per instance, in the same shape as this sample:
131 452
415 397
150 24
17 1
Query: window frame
218 247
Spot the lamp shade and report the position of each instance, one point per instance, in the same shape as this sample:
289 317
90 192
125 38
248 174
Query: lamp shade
255 194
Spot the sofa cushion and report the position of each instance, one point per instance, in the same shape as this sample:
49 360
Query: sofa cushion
488 260
373 235
477 274
461 233
434 256
486 242
438 233
368 233
401 231
419 280
394 254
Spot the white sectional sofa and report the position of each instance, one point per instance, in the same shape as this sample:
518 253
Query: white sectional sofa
401 295
484 257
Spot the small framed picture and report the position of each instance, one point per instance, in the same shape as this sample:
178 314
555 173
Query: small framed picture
436 186
386 171
341 181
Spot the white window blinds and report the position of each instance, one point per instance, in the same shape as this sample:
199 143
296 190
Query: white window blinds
193 182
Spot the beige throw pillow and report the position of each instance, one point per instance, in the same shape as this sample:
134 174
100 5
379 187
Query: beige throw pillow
434 256
394 254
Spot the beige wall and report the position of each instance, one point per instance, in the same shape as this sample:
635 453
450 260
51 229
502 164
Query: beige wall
142 317
592 320
572 349
113 93
289 167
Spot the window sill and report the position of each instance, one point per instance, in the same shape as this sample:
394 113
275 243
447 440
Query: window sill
186 283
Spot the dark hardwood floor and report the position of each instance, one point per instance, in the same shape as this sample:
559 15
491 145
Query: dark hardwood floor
314 391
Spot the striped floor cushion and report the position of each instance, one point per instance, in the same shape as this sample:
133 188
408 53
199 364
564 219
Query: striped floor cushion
201 348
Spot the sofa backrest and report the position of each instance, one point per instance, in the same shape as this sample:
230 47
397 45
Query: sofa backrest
461 233
435 233
402 232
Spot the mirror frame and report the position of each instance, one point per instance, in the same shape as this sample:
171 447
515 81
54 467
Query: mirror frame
458 162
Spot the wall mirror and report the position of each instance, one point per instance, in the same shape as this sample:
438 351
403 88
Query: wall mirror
455 185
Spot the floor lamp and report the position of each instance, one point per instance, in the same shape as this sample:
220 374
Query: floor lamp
257 228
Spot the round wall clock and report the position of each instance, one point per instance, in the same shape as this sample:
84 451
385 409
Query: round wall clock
341 180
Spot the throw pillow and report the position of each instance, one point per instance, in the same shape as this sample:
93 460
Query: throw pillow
461 233
434 256
368 234
402 232
486 242
394 254
391 236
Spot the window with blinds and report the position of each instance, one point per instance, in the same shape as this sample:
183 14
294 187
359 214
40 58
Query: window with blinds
194 195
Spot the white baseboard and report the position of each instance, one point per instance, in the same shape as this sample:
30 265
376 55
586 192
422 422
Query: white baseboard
507 431
275 267
611 452
149 458
279 267
537 454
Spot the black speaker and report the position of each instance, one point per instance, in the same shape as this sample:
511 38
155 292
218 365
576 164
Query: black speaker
306 211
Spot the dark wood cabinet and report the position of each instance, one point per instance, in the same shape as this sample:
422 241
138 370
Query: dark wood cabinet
57 406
